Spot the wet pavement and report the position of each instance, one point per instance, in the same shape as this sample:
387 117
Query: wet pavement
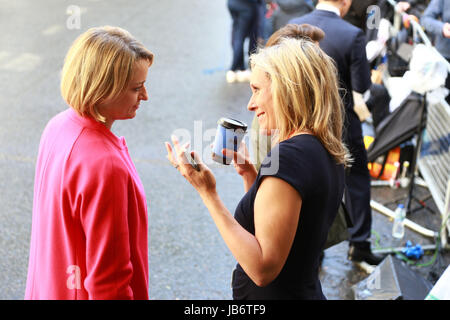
339 275
188 93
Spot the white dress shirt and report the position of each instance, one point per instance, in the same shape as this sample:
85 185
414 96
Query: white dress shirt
328 7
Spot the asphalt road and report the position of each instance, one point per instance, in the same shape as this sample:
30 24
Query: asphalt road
187 95
190 40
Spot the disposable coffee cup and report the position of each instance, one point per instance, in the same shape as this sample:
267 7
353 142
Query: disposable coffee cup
229 135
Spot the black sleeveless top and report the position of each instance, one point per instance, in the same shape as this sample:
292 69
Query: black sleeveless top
306 165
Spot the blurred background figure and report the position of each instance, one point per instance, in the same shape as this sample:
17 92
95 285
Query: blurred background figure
357 15
290 9
436 20
246 18
269 10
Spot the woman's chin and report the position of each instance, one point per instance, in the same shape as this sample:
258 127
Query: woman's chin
132 114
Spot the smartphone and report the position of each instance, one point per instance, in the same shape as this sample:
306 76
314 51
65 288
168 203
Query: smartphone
191 160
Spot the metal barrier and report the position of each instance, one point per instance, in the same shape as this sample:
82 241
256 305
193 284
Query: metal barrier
434 160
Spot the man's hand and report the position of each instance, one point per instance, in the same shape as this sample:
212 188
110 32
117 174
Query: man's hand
402 6
360 106
446 30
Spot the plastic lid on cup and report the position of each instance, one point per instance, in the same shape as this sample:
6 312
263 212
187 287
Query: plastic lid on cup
232 124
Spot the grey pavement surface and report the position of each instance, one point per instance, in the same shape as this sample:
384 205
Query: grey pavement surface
186 85
190 39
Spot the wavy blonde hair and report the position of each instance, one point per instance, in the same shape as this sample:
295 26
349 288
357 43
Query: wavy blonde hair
98 66
304 86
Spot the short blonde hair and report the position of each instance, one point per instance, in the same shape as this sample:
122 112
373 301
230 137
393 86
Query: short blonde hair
99 66
304 85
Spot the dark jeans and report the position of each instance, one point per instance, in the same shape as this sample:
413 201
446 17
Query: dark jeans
245 16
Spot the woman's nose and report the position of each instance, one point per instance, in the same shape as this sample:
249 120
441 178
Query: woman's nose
144 94
251 105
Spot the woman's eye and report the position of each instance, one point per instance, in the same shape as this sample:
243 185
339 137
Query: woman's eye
138 89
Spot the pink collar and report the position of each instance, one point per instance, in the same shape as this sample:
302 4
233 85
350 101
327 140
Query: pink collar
91 123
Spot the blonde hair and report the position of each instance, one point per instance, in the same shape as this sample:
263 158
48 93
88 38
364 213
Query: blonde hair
99 66
304 86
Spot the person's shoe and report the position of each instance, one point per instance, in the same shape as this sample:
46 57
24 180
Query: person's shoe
360 251
243 76
231 76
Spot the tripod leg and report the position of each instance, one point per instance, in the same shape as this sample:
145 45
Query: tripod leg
420 132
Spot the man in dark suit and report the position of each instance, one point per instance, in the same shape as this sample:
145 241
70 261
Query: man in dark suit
345 43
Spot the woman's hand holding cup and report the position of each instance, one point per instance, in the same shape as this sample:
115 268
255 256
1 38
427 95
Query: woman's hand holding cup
241 160
242 163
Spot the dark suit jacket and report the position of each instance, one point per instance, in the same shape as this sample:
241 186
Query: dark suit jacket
344 43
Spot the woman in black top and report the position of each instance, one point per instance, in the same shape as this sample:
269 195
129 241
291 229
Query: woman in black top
280 226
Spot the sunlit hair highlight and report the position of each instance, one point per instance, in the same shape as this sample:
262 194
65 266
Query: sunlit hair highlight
305 94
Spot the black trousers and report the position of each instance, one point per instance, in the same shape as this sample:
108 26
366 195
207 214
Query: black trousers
447 85
357 180
378 104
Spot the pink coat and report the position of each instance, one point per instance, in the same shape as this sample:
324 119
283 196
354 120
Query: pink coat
89 228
